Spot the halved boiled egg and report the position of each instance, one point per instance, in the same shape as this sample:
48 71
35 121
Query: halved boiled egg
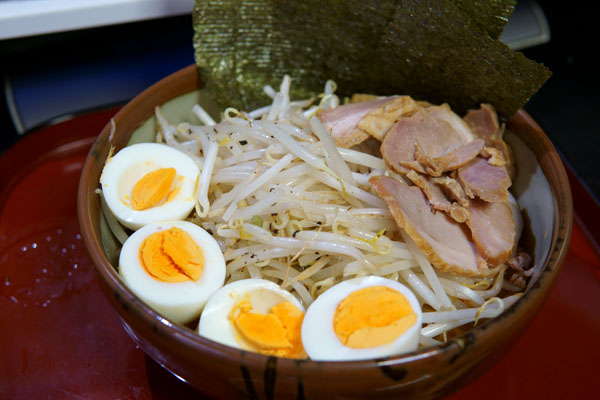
362 318
174 267
255 315
149 182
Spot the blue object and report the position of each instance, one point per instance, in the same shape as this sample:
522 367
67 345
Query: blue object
50 93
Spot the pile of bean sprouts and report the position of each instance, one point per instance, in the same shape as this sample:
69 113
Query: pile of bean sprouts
286 204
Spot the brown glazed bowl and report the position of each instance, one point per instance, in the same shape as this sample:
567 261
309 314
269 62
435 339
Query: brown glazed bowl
541 187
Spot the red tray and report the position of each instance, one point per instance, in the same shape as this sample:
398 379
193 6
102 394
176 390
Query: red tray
59 337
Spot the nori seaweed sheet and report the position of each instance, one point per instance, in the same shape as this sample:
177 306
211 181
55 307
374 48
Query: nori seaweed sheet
487 15
434 50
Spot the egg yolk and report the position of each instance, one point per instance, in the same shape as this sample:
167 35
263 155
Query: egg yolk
276 333
172 256
153 188
372 317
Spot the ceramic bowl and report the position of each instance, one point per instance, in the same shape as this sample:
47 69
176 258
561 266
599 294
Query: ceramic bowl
223 372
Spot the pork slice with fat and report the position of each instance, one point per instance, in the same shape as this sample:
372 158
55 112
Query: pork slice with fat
446 141
445 242
452 189
379 120
492 230
437 160
483 121
456 123
434 193
437 196
342 122
432 140
398 145
481 179
485 125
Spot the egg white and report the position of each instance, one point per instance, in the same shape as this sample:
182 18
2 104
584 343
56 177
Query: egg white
322 344
263 294
129 165
179 302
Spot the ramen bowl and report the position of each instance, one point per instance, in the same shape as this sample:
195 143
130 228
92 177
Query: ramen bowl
219 371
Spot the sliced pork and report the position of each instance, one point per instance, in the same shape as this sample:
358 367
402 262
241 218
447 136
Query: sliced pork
437 197
433 192
520 263
485 125
433 140
398 146
455 123
481 179
492 230
438 157
361 97
445 242
483 121
494 156
457 209
379 120
452 189
459 213
342 121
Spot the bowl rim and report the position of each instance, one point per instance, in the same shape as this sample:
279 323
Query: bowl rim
454 347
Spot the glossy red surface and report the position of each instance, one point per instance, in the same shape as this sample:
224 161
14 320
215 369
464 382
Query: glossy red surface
59 337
